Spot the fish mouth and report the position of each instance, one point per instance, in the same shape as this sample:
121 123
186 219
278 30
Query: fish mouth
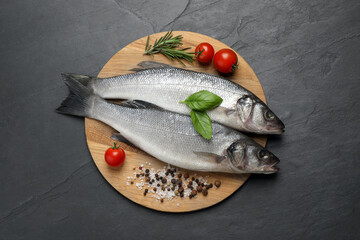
272 168
277 128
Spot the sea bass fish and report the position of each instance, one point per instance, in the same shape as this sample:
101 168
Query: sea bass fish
171 137
164 86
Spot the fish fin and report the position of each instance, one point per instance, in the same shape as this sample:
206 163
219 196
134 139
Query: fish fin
83 79
78 101
210 156
138 104
121 138
150 65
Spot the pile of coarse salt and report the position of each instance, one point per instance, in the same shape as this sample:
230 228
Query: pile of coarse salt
153 183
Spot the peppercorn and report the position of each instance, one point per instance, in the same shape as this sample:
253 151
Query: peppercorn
155 189
134 168
202 184
181 194
137 175
210 185
193 178
190 183
146 174
132 182
217 183
158 184
162 200
199 188
172 175
181 189
168 189
152 180
147 170
164 180
197 181
156 175
157 179
173 188
193 192
207 186
179 175
190 196
147 179
146 190
161 178
205 192
173 181
186 175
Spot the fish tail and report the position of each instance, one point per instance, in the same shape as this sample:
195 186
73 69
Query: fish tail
80 99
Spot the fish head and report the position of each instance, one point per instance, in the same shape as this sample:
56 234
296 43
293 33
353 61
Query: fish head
248 156
257 117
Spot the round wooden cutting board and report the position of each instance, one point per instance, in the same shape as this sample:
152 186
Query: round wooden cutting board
98 134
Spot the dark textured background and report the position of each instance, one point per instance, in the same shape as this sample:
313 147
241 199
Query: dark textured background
306 55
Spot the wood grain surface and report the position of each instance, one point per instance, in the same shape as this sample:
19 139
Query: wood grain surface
98 134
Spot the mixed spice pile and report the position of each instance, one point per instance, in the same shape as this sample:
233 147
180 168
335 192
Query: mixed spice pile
169 183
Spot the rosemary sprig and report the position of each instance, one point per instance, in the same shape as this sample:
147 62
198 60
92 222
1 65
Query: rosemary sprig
167 45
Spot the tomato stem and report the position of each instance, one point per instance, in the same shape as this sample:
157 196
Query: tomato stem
199 52
115 146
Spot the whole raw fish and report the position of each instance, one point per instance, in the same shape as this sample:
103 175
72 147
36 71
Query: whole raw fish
165 86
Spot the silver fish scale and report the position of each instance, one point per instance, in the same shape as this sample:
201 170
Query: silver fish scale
176 141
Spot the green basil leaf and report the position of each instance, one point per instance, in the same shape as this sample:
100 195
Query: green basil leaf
202 123
203 101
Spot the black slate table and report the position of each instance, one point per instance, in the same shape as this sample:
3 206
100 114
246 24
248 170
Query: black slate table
306 55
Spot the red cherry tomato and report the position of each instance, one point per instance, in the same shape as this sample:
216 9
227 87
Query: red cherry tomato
225 60
204 52
115 156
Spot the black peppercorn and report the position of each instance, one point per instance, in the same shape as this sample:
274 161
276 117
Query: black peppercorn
158 185
207 186
205 192
193 178
199 188
162 200
164 180
180 175
210 185
156 175
217 183
173 181
190 183
137 175
147 170
181 189
197 180
173 188
193 192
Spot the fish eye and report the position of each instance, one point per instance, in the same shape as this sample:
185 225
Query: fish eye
262 153
269 115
